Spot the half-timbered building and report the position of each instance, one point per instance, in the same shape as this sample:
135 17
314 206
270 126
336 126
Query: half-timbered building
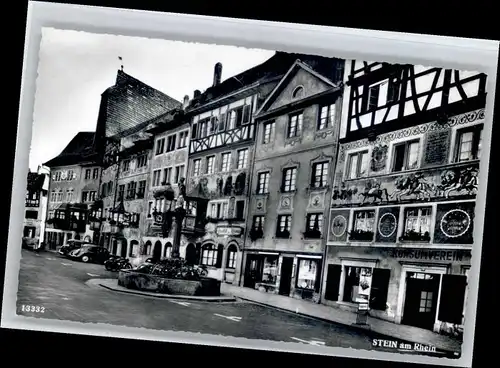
295 155
401 222
220 160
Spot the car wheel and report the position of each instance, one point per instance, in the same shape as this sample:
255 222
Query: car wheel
128 266
85 259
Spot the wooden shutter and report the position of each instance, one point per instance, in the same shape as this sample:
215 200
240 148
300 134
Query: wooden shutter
220 252
333 282
317 282
452 298
379 289
246 114
222 122
194 131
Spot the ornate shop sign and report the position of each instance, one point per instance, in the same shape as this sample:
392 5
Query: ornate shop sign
455 223
229 231
260 204
430 255
387 224
339 226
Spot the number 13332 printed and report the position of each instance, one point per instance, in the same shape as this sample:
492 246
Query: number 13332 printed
32 308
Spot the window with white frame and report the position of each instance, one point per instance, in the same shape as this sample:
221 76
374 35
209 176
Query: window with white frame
141 191
160 146
218 210
406 155
126 165
121 192
242 159
263 182
283 226
307 273
171 142
196 167
357 164
156 178
225 161
182 143
417 224
373 94
232 253
167 176
269 132
85 196
53 196
295 125
210 167
468 143
326 117
95 173
69 195
88 173
209 255
59 196
314 225
289 179
258 222
319 177
363 225
142 160
179 173
393 90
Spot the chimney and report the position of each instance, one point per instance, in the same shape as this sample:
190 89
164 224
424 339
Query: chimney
217 74
197 93
185 102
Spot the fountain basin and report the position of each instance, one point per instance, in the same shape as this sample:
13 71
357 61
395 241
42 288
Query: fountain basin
131 279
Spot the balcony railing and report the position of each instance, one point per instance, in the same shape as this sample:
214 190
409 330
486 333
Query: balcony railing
32 202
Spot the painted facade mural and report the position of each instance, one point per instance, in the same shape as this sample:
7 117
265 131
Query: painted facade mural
432 178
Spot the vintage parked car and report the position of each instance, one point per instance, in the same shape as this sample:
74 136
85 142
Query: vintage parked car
116 263
90 253
71 245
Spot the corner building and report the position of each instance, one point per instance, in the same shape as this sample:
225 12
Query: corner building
401 222
295 155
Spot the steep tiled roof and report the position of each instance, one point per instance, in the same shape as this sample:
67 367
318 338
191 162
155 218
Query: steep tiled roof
131 102
274 67
35 181
80 149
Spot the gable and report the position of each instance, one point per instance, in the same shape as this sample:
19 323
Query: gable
310 83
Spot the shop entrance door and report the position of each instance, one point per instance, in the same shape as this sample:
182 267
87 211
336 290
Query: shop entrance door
421 299
286 276
253 270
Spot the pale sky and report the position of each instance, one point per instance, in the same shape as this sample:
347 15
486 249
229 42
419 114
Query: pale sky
76 67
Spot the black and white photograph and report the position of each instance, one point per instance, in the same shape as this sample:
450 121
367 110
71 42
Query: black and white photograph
268 196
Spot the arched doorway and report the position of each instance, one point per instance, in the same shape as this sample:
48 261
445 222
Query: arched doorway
133 248
88 239
147 248
167 253
232 255
123 252
191 254
157 251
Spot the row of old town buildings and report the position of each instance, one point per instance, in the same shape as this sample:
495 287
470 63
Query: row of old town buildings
336 181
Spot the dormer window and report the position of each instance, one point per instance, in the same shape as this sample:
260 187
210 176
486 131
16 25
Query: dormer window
298 92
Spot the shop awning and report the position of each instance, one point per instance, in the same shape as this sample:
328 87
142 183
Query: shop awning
96 204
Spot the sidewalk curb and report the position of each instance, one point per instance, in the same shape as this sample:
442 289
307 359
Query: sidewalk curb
364 328
175 297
